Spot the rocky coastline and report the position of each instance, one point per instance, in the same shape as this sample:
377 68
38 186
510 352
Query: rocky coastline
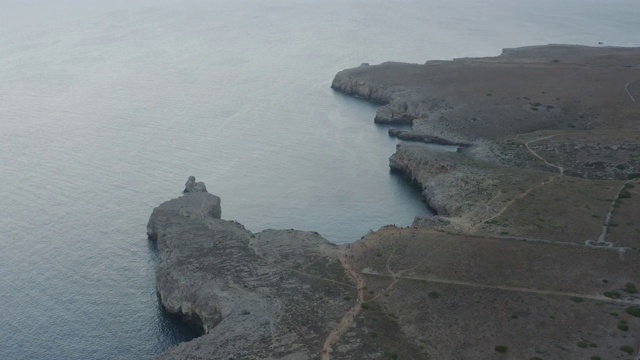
270 294
534 252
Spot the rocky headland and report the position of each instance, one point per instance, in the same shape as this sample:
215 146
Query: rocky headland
533 252
272 294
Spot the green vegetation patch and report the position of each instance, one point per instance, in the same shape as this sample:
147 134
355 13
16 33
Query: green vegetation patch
576 299
623 325
501 349
612 294
633 311
583 344
391 355
624 194
630 288
626 348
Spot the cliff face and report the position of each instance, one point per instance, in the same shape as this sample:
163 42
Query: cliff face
551 165
548 166
276 293
523 90
452 185
400 104
406 293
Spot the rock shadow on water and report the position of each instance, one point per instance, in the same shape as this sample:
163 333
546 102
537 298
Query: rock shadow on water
171 329
413 188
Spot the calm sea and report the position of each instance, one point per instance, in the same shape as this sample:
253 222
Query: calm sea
107 106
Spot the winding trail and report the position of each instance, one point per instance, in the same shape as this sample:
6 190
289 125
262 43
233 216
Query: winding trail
529 190
526 144
626 87
607 219
395 276
349 316
434 279
522 195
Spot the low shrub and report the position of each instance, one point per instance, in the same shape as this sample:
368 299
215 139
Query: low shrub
624 194
630 288
626 348
612 294
633 311
501 349
623 326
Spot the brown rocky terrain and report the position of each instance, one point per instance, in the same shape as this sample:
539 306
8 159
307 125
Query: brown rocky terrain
534 252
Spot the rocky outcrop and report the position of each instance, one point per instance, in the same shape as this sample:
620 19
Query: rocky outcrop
611 156
274 294
451 185
401 106
506 252
413 136
198 205
193 186
523 90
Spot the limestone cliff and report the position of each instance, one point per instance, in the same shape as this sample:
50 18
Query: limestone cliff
559 87
274 294
508 269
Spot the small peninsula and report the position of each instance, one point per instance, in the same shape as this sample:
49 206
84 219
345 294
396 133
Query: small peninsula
534 251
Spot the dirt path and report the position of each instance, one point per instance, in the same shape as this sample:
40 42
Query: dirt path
349 316
605 226
526 144
522 195
626 87
526 192
433 279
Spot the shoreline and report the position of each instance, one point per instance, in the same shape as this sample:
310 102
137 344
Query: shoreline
511 248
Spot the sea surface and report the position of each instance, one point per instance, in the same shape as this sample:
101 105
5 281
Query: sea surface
106 107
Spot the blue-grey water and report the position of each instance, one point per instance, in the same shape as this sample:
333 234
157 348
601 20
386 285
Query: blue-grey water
107 106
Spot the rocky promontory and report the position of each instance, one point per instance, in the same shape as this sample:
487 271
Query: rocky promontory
274 294
559 87
534 252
